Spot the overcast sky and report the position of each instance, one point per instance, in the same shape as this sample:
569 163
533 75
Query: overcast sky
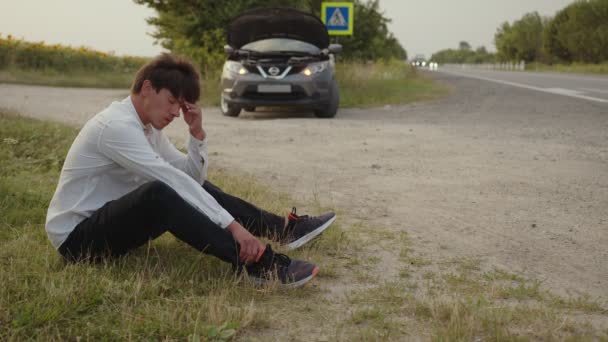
427 26
422 26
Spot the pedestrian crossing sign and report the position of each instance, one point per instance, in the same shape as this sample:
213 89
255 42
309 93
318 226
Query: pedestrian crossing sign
338 17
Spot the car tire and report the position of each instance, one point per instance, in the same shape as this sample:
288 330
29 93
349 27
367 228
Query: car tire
228 109
331 108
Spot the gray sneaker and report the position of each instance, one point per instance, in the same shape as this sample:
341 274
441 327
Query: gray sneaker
301 229
274 266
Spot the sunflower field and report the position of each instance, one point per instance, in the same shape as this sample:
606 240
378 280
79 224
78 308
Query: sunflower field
17 53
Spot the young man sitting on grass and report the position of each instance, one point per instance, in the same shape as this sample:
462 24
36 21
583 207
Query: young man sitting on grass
123 183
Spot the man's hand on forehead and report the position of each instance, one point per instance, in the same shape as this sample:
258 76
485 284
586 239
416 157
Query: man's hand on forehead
194 118
185 105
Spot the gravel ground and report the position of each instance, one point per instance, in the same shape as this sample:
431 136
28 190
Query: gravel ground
515 178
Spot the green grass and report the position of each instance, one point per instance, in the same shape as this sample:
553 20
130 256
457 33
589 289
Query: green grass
166 290
578 68
379 84
361 84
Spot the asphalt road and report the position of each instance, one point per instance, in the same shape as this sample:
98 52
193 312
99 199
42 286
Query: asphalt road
588 87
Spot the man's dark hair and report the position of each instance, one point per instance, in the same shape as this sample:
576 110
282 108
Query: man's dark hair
176 74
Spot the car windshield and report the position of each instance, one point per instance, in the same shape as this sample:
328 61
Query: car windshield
281 44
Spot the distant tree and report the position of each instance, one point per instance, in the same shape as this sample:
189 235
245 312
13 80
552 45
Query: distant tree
551 42
528 37
504 41
522 40
458 56
463 45
481 50
483 56
197 27
579 32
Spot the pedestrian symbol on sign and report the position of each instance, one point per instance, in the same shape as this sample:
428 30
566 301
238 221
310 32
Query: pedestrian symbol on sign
337 19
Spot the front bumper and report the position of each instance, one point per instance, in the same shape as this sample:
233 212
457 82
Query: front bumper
306 91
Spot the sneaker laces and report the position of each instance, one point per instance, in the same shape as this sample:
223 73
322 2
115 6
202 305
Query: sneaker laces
293 217
276 258
282 259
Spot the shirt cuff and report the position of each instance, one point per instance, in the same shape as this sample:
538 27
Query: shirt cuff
198 147
225 218
194 142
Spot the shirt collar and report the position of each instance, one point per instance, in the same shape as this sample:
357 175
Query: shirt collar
128 101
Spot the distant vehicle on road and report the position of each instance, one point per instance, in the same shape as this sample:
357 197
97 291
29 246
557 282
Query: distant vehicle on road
419 61
279 57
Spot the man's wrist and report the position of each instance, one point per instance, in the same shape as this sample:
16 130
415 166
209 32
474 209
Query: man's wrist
237 230
198 133
233 227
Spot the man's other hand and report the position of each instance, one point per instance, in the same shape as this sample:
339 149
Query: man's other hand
251 248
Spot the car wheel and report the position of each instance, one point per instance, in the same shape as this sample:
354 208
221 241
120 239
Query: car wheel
331 108
249 108
227 109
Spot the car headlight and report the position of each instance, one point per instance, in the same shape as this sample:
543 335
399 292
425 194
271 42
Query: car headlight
235 68
315 68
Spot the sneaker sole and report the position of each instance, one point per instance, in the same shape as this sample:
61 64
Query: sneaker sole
295 284
304 239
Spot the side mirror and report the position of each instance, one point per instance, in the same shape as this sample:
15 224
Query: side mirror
335 48
229 50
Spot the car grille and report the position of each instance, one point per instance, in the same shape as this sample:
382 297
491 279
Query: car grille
294 69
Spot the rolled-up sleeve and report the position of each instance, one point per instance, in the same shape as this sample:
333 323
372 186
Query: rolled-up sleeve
194 163
126 144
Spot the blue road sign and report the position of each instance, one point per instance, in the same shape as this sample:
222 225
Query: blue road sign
338 17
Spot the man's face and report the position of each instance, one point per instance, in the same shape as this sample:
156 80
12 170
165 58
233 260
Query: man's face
160 107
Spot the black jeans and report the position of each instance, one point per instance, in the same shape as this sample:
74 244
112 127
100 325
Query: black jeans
154 208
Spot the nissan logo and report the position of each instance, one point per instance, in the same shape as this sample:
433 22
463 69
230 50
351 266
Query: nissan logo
274 71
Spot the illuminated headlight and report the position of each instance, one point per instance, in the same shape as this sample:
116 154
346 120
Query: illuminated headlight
314 68
235 68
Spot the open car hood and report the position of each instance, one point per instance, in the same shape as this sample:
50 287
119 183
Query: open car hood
264 23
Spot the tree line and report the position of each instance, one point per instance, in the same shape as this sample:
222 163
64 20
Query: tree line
464 54
577 33
196 28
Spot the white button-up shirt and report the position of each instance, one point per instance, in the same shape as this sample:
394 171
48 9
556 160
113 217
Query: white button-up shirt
114 154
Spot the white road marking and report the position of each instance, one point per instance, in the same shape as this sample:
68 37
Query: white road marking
601 91
561 76
557 91
563 91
